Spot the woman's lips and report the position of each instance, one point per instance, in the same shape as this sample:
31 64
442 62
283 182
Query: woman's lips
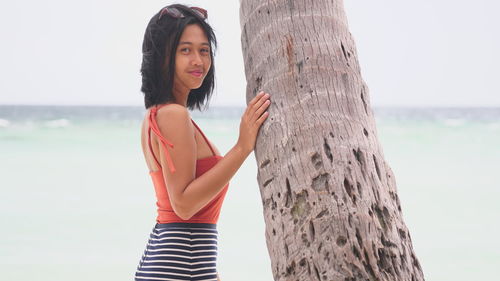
196 73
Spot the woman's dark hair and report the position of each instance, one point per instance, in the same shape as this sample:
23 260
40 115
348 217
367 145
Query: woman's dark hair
158 59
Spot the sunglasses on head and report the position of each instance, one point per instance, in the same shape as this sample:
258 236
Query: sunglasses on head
176 13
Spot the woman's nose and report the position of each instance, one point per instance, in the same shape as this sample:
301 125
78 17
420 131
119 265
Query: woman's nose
197 60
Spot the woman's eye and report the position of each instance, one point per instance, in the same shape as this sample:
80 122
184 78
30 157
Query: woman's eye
187 49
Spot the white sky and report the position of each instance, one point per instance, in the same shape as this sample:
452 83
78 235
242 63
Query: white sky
412 53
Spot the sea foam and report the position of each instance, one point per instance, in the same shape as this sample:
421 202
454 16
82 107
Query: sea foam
4 123
58 123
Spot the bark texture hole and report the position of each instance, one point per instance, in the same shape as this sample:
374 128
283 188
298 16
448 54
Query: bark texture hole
316 160
267 182
328 151
288 194
349 189
377 167
301 207
265 163
341 241
320 182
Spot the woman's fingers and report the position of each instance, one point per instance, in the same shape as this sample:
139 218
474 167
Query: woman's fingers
262 118
252 119
255 108
261 109
254 100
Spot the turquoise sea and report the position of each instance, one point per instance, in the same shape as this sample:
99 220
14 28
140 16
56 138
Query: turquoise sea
77 202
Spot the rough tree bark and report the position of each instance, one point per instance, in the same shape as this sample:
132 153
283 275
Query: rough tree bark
329 198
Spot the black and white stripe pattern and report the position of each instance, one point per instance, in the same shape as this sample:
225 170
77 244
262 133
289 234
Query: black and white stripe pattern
180 251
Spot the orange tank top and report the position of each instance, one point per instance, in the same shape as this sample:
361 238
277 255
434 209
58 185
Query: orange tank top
209 213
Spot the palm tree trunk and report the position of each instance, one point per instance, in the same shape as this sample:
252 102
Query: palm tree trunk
330 202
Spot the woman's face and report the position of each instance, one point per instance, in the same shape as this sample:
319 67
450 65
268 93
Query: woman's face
192 59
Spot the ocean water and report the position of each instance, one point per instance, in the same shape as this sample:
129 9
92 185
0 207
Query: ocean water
77 202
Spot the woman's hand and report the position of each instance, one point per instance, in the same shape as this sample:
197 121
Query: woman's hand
252 119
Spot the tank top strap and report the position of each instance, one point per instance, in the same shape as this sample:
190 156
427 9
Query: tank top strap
206 140
153 126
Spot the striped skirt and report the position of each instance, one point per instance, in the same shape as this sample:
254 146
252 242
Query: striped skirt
180 251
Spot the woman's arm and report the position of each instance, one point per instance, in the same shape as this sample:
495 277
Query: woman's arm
188 194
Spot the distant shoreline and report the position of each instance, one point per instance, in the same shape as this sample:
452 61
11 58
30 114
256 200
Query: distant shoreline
13 113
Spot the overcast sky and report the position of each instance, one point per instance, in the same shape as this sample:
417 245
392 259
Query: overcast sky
412 53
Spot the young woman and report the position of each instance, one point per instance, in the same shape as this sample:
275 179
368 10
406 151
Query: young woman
189 175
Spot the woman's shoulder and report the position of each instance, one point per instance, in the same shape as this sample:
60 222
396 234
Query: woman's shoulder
172 112
170 107
173 117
